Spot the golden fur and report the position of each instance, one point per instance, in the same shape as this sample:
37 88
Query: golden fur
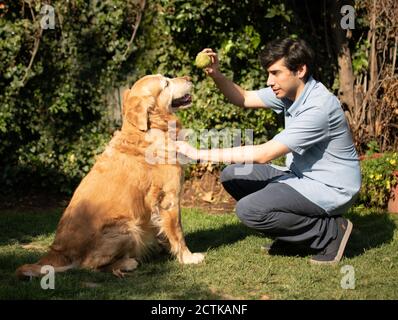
125 205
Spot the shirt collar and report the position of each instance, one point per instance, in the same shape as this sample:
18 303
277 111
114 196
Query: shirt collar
292 110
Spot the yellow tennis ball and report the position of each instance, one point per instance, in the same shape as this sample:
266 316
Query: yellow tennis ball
202 60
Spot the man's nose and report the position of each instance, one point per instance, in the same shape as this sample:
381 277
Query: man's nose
270 81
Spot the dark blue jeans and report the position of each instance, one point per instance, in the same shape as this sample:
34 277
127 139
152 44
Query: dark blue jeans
276 209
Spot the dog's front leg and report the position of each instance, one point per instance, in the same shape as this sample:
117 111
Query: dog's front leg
171 227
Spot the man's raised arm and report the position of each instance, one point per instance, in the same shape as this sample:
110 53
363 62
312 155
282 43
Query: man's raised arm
233 92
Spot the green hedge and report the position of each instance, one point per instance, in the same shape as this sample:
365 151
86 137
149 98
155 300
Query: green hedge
53 117
378 178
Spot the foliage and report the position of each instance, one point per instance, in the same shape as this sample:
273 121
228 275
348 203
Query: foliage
378 178
53 118
360 61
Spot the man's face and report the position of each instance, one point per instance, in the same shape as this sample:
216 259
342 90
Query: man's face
283 82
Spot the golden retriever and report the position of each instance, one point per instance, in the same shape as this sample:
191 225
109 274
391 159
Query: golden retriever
126 204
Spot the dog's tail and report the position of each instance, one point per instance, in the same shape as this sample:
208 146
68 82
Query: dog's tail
58 261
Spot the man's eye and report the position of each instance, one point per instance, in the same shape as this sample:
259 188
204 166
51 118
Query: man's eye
167 84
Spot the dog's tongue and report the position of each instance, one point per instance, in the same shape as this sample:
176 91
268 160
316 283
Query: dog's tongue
181 101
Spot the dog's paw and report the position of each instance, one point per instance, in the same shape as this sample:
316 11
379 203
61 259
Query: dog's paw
118 273
126 265
129 265
192 258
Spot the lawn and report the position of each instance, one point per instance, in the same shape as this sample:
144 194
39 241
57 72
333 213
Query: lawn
235 267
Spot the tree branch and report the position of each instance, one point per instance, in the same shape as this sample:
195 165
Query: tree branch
135 27
35 49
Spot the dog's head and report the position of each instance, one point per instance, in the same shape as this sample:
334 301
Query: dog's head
155 97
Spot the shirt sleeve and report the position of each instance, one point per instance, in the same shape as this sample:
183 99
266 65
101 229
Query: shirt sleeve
269 98
309 127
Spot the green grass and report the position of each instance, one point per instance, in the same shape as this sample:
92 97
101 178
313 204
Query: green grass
235 268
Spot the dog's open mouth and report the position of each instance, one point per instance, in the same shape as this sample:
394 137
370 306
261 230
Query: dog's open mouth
182 102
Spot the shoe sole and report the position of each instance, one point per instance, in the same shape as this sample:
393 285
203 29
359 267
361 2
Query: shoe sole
265 249
340 252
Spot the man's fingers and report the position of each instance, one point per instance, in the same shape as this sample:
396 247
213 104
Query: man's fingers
211 54
207 50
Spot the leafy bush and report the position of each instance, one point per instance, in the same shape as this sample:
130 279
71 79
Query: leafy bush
378 178
53 116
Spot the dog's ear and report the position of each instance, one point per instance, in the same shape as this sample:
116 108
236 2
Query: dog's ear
135 110
125 96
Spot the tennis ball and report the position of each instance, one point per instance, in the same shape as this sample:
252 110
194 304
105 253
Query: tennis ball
202 60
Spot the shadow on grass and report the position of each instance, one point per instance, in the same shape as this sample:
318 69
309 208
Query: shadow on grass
370 231
203 240
155 278
152 280
23 227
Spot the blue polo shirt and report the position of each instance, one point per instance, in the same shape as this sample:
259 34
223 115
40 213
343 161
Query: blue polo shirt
323 164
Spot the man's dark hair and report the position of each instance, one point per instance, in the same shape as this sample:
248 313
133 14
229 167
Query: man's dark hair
296 53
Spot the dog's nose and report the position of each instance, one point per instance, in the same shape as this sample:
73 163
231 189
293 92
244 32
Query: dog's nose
187 78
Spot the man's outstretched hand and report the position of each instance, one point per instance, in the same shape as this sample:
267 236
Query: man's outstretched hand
213 69
186 149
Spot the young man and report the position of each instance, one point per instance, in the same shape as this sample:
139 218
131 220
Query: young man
300 204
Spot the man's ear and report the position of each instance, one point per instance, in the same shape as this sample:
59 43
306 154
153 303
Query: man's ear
135 110
301 71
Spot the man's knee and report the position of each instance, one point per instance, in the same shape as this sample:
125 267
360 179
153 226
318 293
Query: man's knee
242 210
260 219
248 214
228 173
